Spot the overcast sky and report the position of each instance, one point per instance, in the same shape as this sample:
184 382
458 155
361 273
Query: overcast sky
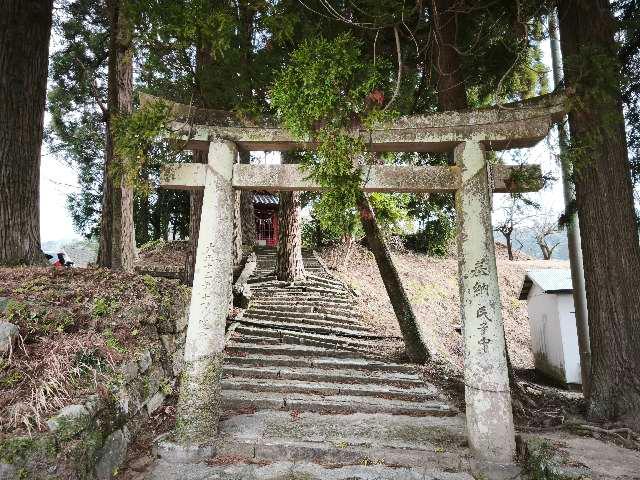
57 180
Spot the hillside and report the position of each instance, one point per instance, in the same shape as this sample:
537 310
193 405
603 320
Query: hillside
432 285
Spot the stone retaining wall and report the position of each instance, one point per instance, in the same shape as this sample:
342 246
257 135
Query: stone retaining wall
89 440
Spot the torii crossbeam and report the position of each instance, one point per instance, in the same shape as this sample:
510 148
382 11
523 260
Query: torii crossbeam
467 134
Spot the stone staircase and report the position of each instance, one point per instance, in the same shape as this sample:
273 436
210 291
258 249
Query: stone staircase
307 395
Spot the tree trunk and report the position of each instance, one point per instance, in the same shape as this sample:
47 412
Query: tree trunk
237 228
195 211
509 246
117 243
416 348
450 87
604 197
25 28
142 219
289 265
246 19
247 213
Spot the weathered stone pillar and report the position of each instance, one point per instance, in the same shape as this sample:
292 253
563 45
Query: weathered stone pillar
488 399
199 399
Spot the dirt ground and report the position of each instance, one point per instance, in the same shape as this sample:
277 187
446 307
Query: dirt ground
432 285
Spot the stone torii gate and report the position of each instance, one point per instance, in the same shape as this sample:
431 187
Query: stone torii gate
468 134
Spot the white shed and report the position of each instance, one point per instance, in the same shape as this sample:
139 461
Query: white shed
552 320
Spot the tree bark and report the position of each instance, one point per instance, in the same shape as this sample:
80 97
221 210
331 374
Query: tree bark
143 219
247 213
450 87
204 62
117 242
289 265
604 197
416 348
237 228
195 212
25 29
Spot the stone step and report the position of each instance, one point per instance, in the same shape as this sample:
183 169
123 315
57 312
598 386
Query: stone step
415 394
308 300
304 338
242 336
302 321
301 308
342 375
298 288
235 348
268 464
299 293
334 439
304 317
325 329
318 362
343 404
327 279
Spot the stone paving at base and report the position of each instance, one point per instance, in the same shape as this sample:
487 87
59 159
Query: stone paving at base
306 397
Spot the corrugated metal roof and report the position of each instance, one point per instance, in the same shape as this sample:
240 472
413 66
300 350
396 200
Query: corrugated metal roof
550 280
265 198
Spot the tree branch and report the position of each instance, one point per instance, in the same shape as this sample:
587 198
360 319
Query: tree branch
399 52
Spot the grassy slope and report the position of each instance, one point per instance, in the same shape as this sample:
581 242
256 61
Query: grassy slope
432 284
76 327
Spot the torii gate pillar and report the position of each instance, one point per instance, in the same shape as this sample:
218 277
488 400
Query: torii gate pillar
490 427
199 400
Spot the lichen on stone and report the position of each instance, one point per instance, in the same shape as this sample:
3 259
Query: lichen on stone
199 402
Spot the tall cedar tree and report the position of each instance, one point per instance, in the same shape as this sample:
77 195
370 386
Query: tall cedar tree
209 96
289 265
451 89
25 29
604 199
203 63
117 233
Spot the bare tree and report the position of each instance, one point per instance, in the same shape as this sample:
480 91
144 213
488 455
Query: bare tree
544 227
514 214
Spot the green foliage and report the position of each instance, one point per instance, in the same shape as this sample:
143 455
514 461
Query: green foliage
325 84
152 284
338 218
103 307
325 91
136 136
434 236
113 342
91 360
37 321
542 461
10 379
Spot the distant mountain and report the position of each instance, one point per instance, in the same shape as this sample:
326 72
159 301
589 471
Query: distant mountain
525 242
80 252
